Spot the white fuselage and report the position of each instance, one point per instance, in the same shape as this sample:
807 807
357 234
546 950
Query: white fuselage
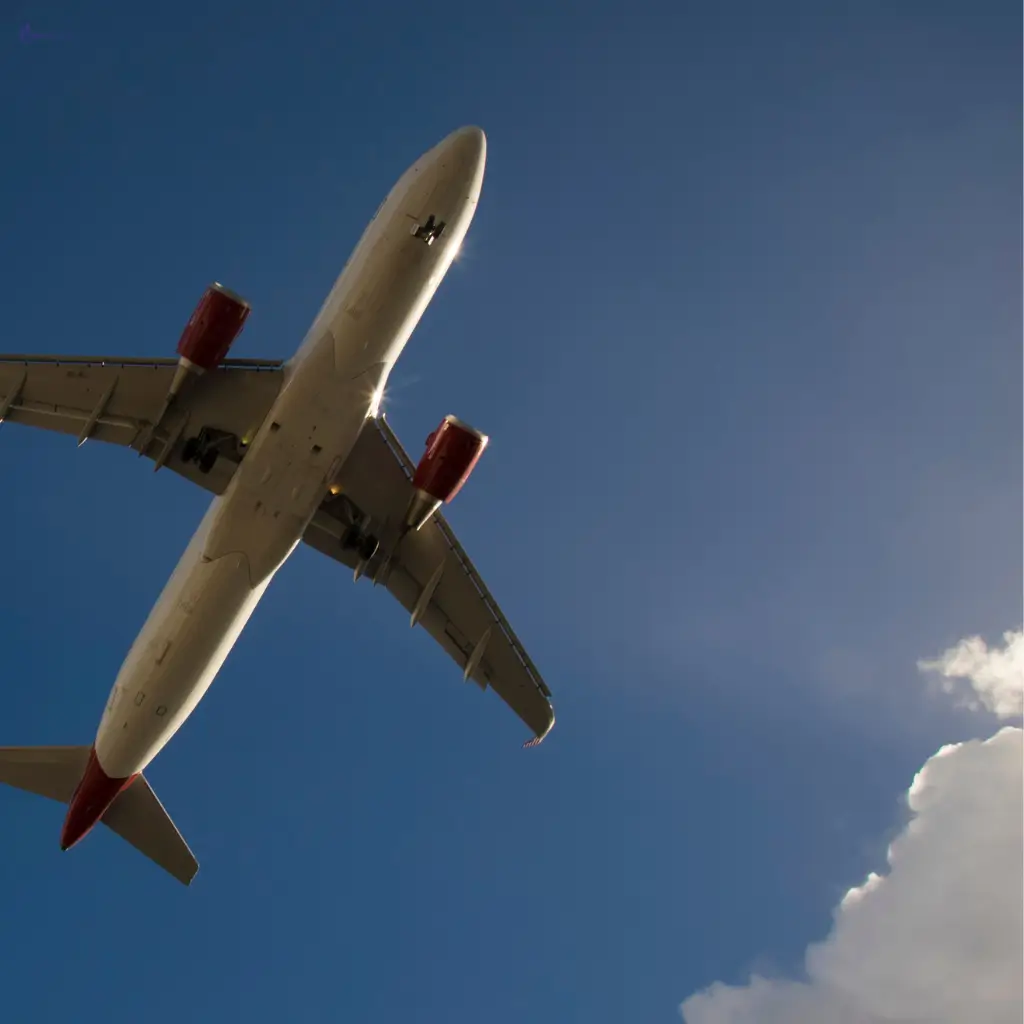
331 385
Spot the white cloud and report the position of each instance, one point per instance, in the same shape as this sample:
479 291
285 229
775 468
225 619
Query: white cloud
995 676
936 940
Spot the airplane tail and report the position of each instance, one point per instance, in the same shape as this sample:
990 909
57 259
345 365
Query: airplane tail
136 814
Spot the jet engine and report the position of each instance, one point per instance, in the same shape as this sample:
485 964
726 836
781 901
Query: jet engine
210 332
453 450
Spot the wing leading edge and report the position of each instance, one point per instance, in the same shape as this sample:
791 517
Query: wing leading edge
430 575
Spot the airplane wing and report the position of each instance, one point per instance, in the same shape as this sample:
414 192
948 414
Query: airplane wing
429 574
119 401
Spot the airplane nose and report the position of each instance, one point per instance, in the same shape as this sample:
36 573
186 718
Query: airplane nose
441 190
468 145
463 155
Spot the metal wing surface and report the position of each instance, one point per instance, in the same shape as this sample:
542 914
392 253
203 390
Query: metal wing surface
119 400
429 574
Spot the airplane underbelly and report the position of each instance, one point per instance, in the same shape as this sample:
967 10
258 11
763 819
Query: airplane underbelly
245 537
179 651
380 310
331 385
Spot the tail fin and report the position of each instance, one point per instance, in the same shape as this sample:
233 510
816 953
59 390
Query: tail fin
136 815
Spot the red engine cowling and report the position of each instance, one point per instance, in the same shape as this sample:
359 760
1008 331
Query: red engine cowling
213 327
452 452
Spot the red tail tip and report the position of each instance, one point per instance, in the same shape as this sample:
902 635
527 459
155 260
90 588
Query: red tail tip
95 793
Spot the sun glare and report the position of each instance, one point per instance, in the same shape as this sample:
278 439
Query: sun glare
376 402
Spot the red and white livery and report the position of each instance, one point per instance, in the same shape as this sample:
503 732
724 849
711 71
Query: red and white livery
293 452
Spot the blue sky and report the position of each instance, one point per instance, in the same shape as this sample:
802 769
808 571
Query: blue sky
740 310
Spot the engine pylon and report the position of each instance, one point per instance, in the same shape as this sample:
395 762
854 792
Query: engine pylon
421 507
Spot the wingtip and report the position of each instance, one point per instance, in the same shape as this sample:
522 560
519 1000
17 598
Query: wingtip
536 741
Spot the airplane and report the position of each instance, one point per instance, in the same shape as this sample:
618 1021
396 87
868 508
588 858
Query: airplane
294 451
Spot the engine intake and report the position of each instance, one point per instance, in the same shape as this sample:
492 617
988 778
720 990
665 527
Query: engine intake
453 451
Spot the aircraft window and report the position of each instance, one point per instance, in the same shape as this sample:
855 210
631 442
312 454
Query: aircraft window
161 710
139 698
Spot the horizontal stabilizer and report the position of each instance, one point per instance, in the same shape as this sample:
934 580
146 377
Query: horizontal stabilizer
52 772
139 818
136 814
